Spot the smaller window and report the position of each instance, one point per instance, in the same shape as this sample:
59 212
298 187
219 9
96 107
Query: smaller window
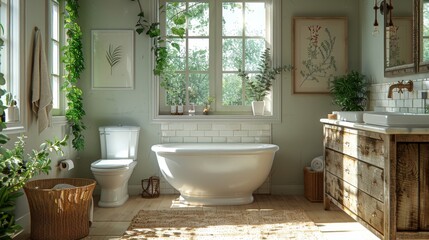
56 36
11 13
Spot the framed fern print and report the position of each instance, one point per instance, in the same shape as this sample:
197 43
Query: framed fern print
319 52
112 59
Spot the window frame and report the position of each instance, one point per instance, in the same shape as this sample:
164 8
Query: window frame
15 78
60 110
160 114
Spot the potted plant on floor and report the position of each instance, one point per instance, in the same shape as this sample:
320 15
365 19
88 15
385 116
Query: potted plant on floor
259 86
350 91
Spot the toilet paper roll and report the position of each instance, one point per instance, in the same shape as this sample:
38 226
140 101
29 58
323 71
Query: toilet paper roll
317 164
66 165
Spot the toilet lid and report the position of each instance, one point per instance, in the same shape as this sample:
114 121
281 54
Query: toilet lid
111 163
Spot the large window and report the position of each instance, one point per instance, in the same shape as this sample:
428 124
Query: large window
221 37
56 33
11 58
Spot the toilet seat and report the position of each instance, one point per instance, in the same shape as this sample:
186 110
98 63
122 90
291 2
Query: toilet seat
112 163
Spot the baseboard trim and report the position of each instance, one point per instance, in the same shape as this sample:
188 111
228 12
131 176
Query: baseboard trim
287 189
24 222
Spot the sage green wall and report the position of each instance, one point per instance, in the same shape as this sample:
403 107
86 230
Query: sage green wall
113 107
299 135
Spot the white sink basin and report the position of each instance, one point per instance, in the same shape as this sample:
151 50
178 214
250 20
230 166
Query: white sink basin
396 119
350 116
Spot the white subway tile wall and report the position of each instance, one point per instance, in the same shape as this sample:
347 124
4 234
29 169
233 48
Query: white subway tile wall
408 102
215 133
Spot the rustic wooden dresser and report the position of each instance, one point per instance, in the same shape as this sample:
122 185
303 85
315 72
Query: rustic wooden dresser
379 176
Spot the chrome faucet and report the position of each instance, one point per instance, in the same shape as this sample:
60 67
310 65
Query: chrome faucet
400 85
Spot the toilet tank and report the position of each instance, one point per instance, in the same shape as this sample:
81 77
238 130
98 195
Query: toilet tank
119 142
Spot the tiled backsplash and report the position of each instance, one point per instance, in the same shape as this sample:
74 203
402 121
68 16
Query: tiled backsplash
215 133
411 102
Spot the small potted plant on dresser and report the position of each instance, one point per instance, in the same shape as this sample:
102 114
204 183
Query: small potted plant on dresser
350 91
258 87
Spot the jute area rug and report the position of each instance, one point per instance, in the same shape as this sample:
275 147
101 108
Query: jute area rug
222 224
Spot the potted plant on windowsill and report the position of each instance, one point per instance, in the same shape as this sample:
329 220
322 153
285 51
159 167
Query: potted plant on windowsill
11 111
259 86
350 91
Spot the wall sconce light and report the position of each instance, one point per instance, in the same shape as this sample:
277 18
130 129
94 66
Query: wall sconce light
385 9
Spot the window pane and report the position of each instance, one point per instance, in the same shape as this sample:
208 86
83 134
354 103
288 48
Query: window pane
232 54
198 21
198 90
55 58
55 19
232 90
255 19
174 11
426 49
176 89
198 54
232 19
3 35
176 59
254 49
56 91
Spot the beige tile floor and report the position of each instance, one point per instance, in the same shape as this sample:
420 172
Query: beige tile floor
110 223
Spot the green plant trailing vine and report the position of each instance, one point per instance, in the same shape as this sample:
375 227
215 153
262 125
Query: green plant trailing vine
158 42
74 65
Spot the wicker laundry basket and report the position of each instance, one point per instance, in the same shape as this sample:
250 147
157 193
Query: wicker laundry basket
59 213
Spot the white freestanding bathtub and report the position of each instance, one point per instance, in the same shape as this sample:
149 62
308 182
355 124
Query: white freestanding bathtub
215 173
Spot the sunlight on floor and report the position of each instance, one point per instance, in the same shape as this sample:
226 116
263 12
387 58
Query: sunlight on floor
334 231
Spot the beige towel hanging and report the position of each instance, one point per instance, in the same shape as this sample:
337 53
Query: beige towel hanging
41 102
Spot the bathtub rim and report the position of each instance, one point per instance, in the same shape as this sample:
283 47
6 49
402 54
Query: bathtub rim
245 148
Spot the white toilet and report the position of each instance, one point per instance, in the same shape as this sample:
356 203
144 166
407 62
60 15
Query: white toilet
119 154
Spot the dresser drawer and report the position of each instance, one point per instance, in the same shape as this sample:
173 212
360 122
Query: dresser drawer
367 147
363 205
365 177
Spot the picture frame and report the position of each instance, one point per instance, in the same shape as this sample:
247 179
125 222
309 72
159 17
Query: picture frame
319 53
112 59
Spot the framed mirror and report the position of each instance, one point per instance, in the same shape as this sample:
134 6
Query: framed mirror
400 46
423 34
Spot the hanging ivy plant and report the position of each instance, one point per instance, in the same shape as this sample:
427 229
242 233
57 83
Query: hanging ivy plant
159 47
74 65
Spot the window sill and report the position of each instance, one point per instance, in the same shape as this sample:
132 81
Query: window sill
13 129
59 120
215 118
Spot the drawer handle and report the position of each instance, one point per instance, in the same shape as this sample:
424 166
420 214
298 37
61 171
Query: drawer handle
347 144
374 214
347 171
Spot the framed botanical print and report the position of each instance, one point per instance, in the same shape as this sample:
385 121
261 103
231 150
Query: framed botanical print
112 59
319 52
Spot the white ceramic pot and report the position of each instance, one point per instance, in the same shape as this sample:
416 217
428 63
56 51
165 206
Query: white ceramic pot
11 114
258 108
